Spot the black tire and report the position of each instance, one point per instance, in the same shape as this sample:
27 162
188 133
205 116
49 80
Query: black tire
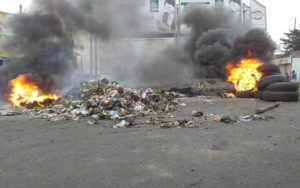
258 94
284 86
281 96
244 94
268 67
270 74
264 82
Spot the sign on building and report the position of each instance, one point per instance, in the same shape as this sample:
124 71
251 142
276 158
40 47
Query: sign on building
4 31
258 15
162 12
159 15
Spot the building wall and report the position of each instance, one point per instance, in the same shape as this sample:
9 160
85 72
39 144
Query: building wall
288 64
295 59
296 67
285 65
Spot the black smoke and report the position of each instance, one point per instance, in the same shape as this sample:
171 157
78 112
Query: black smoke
218 37
43 51
43 42
258 42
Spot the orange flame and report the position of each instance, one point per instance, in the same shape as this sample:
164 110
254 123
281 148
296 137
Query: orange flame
244 75
24 92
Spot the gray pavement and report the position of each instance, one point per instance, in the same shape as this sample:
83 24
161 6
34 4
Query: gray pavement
38 153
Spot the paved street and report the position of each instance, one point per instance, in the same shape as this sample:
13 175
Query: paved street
38 153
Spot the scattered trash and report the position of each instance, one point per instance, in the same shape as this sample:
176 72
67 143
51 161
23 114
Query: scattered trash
149 90
182 104
224 119
227 119
122 124
139 107
209 101
93 119
11 112
249 118
166 125
190 124
144 94
246 118
216 118
113 113
258 117
179 124
107 100
262 110
169 115
197 113
226 93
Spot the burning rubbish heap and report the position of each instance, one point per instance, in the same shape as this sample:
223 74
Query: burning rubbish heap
25 93
105 100
219 47
255 79
244 75
253 74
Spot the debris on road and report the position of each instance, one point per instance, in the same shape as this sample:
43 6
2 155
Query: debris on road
186 92
265 109
93 119
11 112
190 124
224 119
179 124
122 124
167 125
169 116
196 113
104 99
249 118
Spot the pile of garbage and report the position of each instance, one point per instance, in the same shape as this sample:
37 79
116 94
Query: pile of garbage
104 99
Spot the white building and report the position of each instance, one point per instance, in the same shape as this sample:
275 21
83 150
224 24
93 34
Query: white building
288 63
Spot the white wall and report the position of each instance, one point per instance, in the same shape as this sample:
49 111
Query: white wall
296 67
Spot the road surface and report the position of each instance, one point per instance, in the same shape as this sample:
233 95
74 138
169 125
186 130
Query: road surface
38 153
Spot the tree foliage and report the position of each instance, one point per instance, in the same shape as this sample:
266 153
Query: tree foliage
291 41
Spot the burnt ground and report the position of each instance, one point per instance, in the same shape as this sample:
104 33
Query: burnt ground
38 153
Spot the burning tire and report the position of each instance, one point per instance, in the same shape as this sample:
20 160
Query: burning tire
284 86
264 82
244 94
269 74
281 96
259 94
269 68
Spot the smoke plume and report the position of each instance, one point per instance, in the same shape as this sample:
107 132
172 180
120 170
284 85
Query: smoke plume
258 42
218 37
43 42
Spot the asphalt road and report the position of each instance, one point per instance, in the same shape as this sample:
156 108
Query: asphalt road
37 153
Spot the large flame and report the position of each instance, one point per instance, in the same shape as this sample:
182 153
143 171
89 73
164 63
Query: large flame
24 92
244 75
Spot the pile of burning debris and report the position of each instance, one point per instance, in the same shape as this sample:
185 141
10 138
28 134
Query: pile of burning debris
254 79
102 100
